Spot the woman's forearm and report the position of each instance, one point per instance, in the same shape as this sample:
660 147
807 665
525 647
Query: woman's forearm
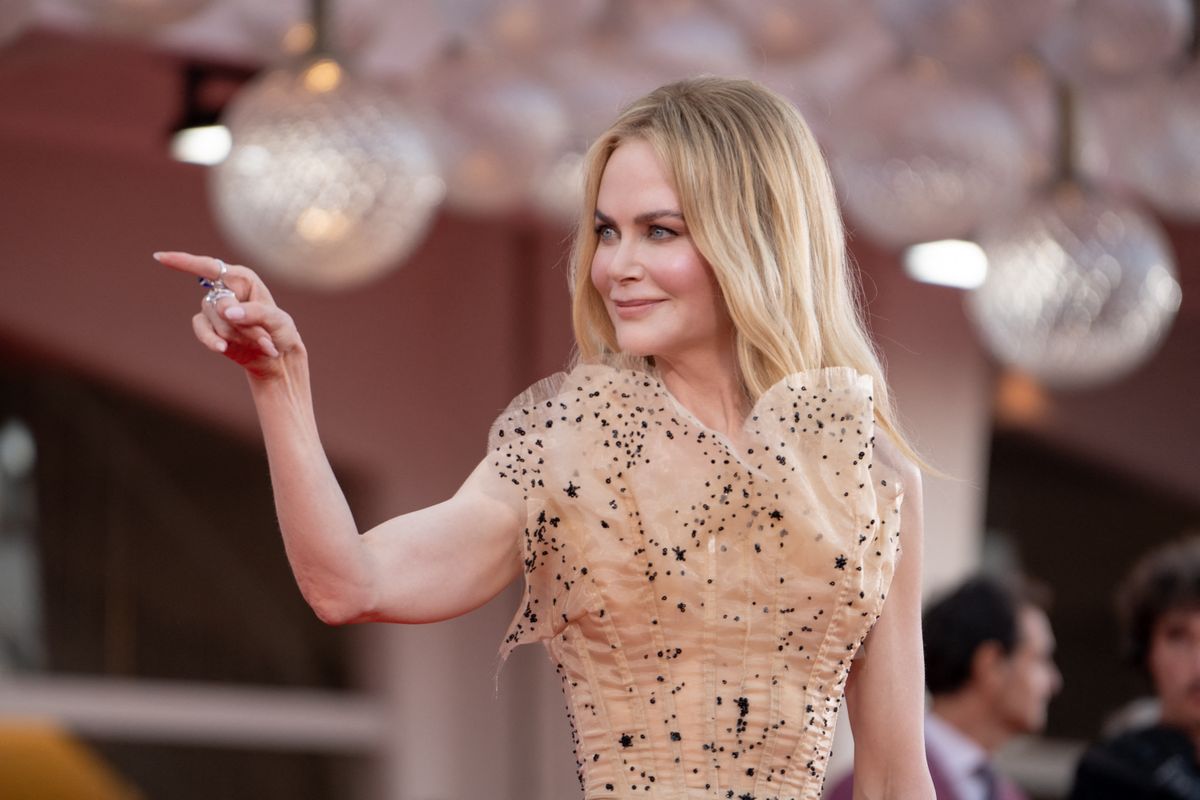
319 531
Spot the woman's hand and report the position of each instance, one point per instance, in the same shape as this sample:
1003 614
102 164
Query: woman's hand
246 325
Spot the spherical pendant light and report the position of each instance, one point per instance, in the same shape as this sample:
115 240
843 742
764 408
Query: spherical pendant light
1080 289
1101 39
330 181
556 189
385 44
140 16
1151 132
971 34
920 158
787 29
682 38
498 128
15 16
524 27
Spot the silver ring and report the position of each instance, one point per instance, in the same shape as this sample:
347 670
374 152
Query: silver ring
217 288
217 292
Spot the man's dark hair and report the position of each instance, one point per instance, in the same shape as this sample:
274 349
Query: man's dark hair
983 609
1165 579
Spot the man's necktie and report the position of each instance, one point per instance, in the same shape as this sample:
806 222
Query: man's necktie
986 776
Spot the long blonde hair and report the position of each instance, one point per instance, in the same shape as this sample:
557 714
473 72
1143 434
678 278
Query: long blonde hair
761 209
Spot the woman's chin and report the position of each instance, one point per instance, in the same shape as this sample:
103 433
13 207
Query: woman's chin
633 347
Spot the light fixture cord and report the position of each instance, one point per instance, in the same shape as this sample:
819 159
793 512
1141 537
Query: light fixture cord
1193 48
319 17
1067 133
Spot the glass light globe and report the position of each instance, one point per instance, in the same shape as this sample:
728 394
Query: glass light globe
523 27
330 181
595 81
594 86
1117 38
140 16
1150 132
970 33
496 130
820 81
15 16
1080 289
557 188
787 29
384 44
684 38
921 159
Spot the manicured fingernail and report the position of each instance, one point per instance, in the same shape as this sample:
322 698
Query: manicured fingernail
222 345
235 312
268 347
157 256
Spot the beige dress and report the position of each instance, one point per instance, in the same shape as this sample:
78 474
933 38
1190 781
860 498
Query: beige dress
702 605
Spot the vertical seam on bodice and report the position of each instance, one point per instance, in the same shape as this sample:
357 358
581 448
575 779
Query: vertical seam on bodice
601 702
710 655
745 660
660 646
778 682
828 670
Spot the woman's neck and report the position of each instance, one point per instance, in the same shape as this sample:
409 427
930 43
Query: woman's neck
710 387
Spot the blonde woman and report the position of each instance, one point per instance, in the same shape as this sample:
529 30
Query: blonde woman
706 510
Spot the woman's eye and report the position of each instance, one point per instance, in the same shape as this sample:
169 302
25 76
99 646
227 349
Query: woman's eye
659 232
605 232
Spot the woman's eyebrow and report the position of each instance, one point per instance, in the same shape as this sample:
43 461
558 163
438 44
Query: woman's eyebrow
650 216
643 218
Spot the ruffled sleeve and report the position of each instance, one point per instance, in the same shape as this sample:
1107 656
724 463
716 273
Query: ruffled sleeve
517 440
519 449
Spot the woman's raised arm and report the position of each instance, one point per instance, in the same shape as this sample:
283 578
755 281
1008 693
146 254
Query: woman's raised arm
427 565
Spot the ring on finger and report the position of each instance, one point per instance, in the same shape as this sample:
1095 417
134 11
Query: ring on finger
219 282
217 292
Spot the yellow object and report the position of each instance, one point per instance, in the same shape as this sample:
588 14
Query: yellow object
323 76
41 761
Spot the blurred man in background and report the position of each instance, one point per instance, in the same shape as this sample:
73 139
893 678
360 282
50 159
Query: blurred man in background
1159 606
989 667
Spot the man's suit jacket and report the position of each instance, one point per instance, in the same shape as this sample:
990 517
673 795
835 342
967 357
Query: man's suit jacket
1007 790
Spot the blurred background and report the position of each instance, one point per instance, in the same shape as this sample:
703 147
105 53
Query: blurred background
1021 181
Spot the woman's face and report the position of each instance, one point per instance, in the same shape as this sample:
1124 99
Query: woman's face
660 293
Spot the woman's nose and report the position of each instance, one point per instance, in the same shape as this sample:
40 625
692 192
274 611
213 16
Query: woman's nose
627 263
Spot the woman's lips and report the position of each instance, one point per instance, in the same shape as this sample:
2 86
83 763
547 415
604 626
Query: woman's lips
632 309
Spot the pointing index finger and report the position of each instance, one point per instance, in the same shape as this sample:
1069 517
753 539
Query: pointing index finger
200 266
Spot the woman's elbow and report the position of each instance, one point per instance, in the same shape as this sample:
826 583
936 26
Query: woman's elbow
340 607
338 614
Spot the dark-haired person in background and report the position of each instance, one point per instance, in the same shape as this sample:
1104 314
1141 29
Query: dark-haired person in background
989 667
1159 607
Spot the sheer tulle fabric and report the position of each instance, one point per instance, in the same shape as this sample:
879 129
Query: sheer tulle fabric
702 605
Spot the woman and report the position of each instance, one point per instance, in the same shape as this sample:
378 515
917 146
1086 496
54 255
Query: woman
705 516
